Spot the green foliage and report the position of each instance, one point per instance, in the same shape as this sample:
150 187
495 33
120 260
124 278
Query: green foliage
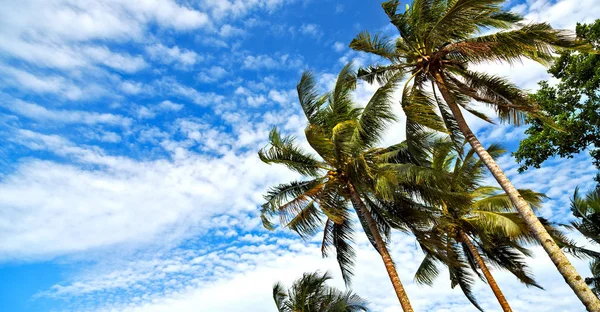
587 211
484 214
573 104
440 40
344 138
311 294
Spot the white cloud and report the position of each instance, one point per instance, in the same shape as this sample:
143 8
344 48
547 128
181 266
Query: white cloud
230 31
256 101
170 106
101 135
174 55
51 202
119 61
235 277
339 46
212 74
41 83
560 13
143 112
282 97
221 9
312 30
37 112
42 32
261 61
131 87
151 111
212 42
110 137
171 86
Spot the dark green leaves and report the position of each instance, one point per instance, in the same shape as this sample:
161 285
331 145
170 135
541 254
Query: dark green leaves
573 105
282 150
311 294
378 45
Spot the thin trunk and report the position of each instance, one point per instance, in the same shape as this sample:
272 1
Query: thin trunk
360 207
559 259
486 272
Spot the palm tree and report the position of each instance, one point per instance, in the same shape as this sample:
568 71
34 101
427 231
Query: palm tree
349 171
438 41
587 210
310 294
485 228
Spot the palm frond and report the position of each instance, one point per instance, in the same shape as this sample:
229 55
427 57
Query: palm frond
378 45
536 41
341 104
376 115
507 224
427 271
282 150
503 254
461 18
343 236
461 277
279 296
288 199
307 222
419 108
511 104
379 73
309 98
339 236
501 202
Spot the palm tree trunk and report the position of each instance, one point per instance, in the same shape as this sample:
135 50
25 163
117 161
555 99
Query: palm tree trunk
559 259
360 208
486 272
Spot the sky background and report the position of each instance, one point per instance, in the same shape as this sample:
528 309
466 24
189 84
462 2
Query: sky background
129 179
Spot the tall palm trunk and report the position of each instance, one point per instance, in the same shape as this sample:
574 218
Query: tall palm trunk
361 209
486 272
559 259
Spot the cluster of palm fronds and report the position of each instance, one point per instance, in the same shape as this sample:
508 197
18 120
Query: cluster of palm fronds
429 185
310 293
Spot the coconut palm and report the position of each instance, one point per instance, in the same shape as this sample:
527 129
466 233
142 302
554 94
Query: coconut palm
348 171
483 229
586 208
439 41
311 294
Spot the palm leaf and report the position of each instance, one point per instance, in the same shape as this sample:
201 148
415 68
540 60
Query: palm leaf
378 45
427 271
309 97
376 115
284 151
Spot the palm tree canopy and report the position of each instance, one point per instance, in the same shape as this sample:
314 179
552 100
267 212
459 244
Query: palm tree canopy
344 138
439 42
486 216
445 37
586 208
311 294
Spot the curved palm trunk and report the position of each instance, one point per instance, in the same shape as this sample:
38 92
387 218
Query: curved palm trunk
559 259
359 206
486 272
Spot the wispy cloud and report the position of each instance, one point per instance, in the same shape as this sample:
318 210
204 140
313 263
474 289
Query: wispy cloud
41 113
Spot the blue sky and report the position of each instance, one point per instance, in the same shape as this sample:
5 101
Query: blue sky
128 172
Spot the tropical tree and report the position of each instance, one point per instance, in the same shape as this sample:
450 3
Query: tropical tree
311 294
439 40
573 104
348 171
586 208
485 228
